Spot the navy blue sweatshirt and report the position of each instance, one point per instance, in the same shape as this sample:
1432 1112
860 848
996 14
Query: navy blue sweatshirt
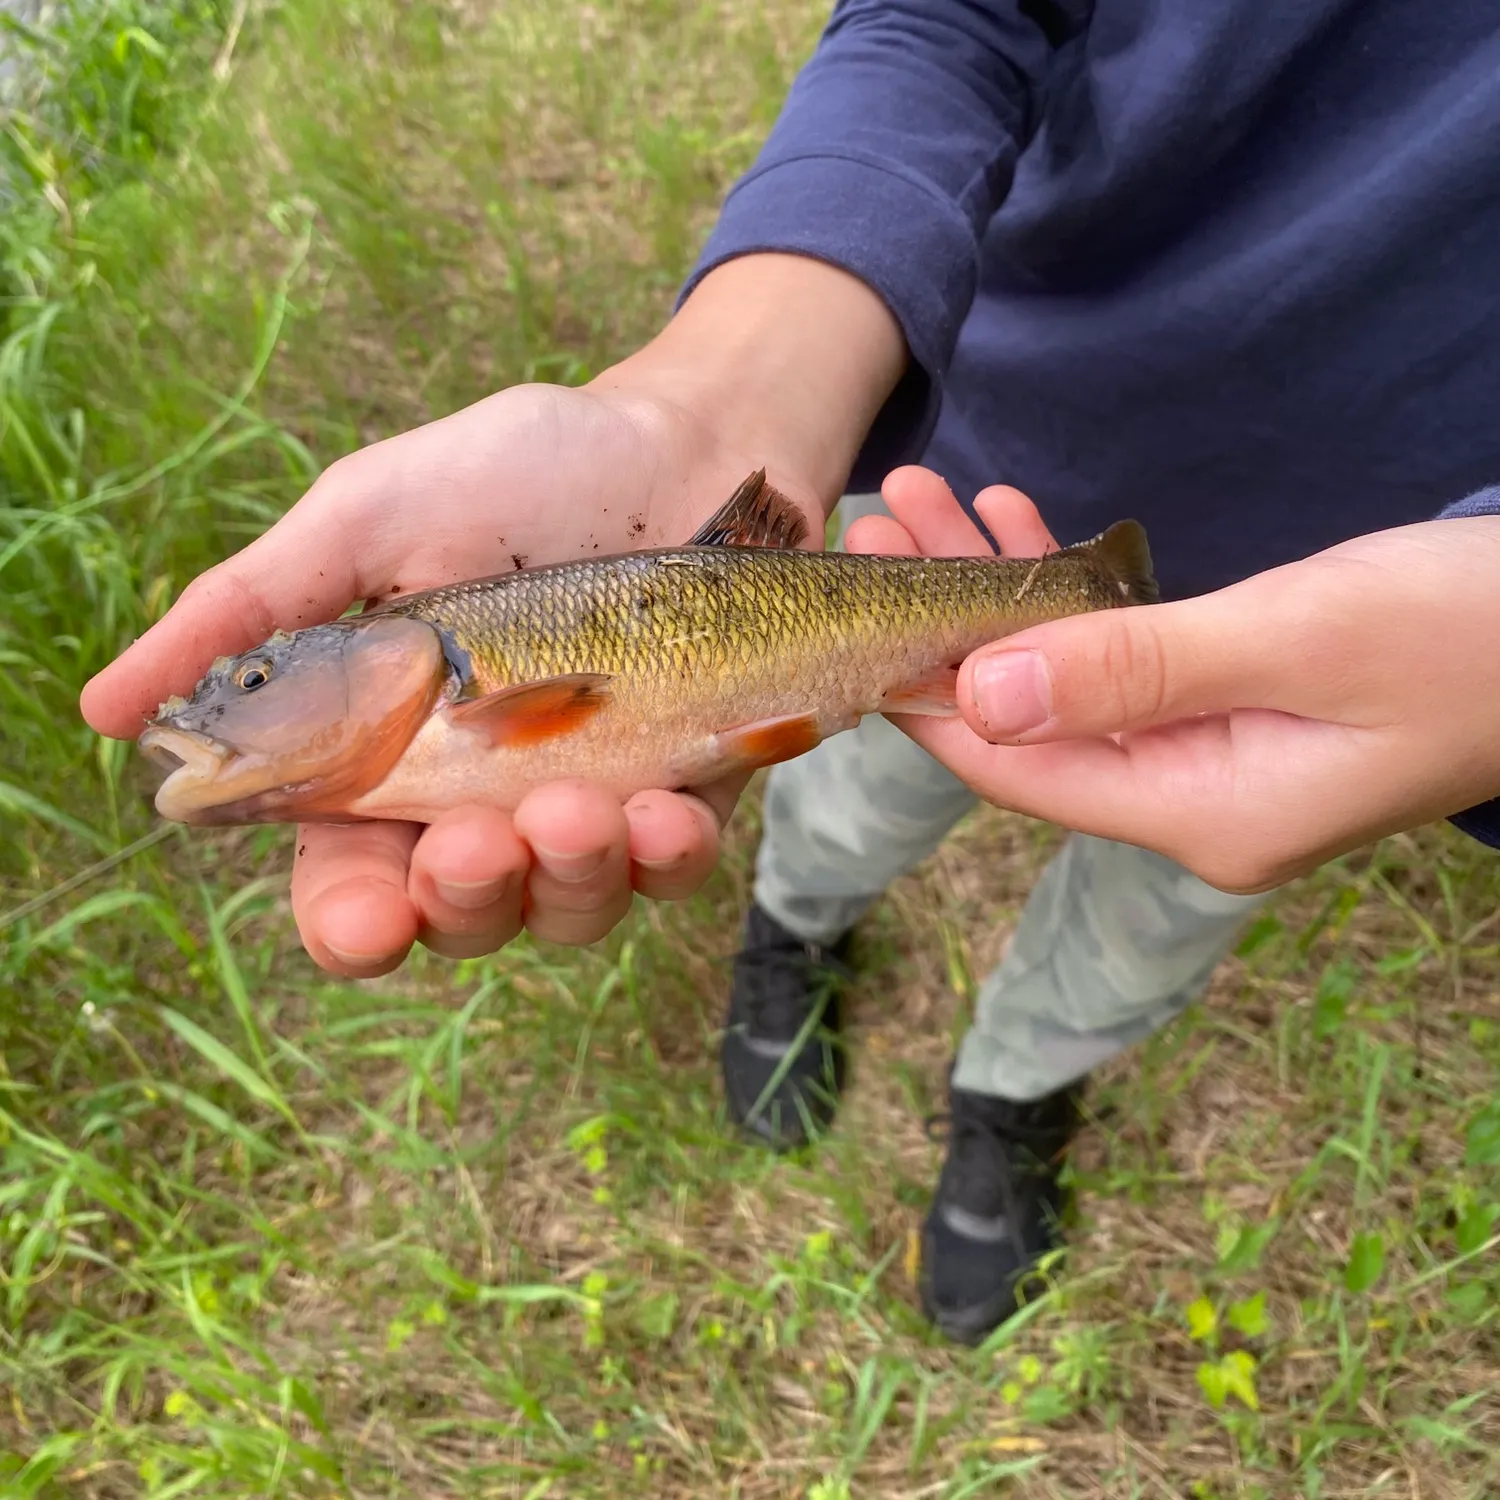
1231 267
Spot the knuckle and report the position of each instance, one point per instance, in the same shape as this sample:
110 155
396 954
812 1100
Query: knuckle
460 945
209 584
341 483
1133 673
225 588
589 900
676 885
344 496
573 928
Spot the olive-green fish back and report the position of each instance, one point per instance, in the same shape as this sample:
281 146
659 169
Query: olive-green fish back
726 610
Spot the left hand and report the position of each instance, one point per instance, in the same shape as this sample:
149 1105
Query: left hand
1250 734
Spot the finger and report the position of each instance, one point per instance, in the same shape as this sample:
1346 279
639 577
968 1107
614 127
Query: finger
468 874
579 887
882 536
674 844
1113 671
1162 795
924 504
1014 522
349 896
1245 801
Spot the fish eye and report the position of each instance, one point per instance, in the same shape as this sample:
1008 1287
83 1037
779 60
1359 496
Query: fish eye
252 675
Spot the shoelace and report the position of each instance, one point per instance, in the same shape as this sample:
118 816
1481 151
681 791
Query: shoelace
984 1154
792 970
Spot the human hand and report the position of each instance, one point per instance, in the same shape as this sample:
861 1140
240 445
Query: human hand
473 494
533 475
1250 734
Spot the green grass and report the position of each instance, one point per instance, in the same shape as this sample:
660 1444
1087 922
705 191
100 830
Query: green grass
478 1230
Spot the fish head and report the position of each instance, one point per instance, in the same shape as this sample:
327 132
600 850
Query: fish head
298 727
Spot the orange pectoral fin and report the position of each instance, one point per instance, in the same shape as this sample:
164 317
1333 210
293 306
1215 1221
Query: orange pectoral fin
935 694
766 742
532 712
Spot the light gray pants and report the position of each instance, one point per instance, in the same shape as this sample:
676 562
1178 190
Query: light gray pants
1113 943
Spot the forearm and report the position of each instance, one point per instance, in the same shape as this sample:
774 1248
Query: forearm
785 356
894 149
822 313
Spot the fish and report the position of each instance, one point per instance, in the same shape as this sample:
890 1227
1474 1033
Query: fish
665 668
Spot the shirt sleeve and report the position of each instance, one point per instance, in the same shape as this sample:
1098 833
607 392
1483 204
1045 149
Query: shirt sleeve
895 147
1482 822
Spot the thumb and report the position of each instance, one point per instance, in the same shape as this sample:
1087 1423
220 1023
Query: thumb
1121 669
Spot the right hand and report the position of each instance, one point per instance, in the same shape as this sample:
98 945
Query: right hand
533 475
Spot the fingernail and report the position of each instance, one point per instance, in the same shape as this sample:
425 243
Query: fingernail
1012 693
469 895
572 868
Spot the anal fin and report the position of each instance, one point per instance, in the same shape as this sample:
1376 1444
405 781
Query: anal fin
934 694
754 516
530 713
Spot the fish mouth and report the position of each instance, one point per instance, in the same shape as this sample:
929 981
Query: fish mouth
192 762
212 785
172 750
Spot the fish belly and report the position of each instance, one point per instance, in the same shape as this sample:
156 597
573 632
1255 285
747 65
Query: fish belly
644 738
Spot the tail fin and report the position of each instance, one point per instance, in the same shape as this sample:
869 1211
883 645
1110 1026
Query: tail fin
1123 553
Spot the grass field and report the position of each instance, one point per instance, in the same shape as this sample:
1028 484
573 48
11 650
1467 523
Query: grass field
478 1230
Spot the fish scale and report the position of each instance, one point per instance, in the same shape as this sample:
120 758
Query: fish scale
654 619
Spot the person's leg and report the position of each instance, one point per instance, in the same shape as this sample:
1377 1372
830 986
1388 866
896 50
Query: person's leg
1113 943
840 824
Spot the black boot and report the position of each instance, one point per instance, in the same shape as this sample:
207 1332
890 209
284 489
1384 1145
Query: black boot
784 1018
997 1208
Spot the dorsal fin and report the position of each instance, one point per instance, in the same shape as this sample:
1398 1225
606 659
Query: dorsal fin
754 516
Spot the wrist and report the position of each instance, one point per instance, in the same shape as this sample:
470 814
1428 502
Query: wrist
784 358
